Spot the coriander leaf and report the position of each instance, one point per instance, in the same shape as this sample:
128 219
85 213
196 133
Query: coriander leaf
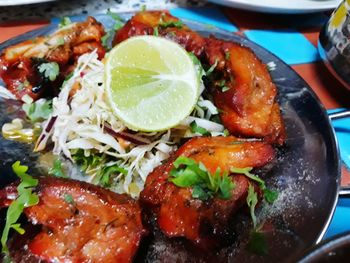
183 160
227 55
198 64
60 41
246 172
257 243
199 193
143 8
107 171
49 70
177 24
189 173
226 186
25 199
38 110
155 31
212 68
69 199
270 196
57 170
65 21
198 129
115 16
252 200
226 132
187 178
225 88
104 40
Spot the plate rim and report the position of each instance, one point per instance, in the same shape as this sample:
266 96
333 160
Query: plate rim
22 2
286 8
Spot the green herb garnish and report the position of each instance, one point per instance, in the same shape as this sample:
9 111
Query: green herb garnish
107 171
69 199
198 129
98 166
257 243
198 64
227 55
189 173
37 110
252 200
57 169
49 70
177 24
155 31
65 21
60 41
26 198
212 68
226 132
269 195
113 15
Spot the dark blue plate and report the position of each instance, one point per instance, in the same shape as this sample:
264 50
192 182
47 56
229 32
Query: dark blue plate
306 172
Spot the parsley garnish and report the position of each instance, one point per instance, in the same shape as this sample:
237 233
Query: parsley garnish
26 198
49 70
38 110
57 170
198 129
65 21
189 173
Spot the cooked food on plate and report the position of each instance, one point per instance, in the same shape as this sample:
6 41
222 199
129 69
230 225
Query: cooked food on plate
187 181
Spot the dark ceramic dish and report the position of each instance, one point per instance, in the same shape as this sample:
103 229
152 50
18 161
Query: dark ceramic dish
306 172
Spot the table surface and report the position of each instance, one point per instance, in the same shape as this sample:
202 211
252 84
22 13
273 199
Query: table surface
293 38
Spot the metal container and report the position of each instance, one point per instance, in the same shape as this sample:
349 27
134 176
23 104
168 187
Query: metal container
334 43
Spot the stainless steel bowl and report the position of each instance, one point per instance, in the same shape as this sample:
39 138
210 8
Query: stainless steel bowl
334 43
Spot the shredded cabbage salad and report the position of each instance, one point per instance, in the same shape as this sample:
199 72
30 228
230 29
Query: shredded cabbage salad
83 129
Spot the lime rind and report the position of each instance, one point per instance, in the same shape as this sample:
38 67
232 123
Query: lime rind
147 96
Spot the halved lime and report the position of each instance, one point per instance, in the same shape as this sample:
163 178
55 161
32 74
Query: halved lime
151 82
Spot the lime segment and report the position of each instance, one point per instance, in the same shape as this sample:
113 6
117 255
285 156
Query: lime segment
151 82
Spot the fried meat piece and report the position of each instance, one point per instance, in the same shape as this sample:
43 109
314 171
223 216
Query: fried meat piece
249 106
19 63
248 103
205 223
162 24
81 222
